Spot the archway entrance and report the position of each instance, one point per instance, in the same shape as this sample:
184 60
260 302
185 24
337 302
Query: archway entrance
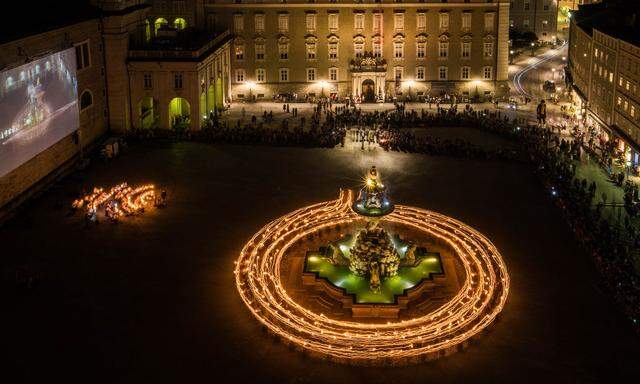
203 107
368 91
147 113
180 23
179 113
159 23
211 96
147 31
219 95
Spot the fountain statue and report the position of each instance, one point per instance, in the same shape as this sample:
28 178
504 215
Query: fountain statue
374 255
373 200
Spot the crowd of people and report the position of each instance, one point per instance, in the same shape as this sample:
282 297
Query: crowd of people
429 145
612 246
325 135
391 134
321 129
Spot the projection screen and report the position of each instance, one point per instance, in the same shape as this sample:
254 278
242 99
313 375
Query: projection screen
38 107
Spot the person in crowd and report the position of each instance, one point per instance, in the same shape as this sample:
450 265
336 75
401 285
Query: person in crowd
541 112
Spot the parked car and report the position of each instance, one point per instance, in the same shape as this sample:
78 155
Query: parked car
549 86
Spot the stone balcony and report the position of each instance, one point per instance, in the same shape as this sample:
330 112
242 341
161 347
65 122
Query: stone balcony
190 46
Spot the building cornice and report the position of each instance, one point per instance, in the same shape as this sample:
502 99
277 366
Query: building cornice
280 6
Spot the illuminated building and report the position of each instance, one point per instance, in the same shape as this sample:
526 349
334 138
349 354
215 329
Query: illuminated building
537 16
604 57
129 76
368 49
168 71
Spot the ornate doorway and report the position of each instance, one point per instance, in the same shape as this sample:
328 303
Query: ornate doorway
368 91
368 76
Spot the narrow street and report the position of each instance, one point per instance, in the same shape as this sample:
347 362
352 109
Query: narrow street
528 74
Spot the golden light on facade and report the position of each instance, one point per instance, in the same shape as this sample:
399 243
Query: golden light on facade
480 299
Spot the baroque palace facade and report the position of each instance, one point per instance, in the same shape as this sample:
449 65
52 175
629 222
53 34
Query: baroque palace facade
374 50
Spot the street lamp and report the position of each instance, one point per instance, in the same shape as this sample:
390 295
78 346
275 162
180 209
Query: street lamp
533 48
474 83
511 53
409 84
322 84
554 73
251 85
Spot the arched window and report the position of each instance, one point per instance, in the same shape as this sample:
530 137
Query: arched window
86 100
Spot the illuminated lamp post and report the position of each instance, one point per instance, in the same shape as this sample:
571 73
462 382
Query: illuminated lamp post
409 84
533 49
553 70
322 84
251 85
511 53
475 84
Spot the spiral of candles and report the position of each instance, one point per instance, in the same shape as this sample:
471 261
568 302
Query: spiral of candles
441 332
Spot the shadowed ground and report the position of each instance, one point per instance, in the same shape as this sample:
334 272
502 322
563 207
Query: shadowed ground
153 298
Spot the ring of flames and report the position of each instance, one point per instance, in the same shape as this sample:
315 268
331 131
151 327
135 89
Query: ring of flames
480 299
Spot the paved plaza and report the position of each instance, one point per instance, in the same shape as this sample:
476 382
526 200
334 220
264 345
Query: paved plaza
229 203
153 299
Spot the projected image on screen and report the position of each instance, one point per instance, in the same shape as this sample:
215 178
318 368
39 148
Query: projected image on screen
38 107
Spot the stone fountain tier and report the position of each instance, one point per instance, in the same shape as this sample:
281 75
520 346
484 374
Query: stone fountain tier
374 255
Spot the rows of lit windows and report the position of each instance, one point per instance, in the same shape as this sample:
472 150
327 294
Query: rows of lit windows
240 75
359 50
628 106
398 74
604 73
359 21
628 85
